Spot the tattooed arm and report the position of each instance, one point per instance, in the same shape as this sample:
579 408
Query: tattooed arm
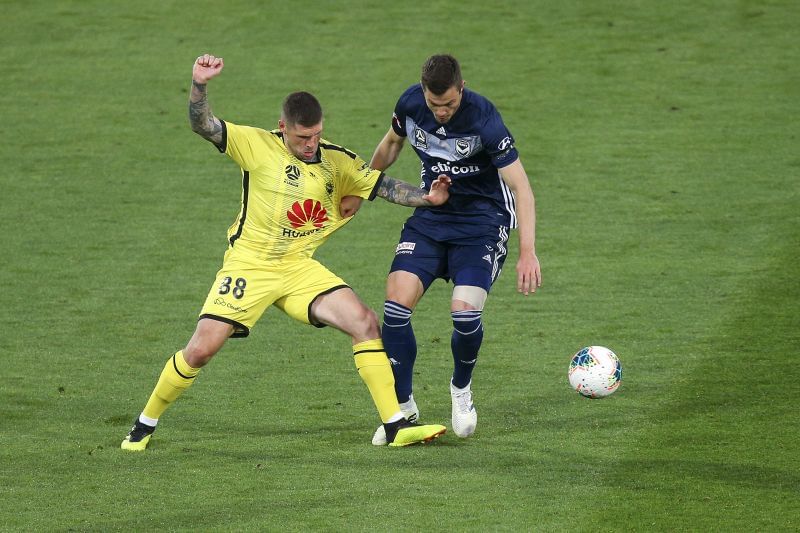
202 120
400 192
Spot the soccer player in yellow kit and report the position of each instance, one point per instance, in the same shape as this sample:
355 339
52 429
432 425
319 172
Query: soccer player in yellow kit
293 183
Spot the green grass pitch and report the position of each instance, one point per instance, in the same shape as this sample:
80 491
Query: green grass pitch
663 143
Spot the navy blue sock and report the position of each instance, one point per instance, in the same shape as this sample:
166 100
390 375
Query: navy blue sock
465 343
400 345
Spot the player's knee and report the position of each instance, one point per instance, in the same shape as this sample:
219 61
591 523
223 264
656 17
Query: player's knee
207 340
198 354
371 324
468 297
197 359
364 324
404 288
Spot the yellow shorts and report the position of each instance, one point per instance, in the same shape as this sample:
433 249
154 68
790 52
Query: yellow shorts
244 289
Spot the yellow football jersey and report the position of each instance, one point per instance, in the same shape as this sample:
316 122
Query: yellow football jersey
289 206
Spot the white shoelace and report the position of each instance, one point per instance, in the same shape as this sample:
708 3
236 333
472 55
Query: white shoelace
463 401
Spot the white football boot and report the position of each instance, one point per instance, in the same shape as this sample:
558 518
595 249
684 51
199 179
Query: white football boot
465 417
409 410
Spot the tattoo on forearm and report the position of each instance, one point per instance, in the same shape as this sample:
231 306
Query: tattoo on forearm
202 120
400 192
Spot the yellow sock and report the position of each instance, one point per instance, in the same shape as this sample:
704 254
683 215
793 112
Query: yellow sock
176 377
374 368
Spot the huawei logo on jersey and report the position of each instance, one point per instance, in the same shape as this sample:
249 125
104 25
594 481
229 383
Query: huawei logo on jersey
309 211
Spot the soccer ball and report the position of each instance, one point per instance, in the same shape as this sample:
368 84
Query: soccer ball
595 372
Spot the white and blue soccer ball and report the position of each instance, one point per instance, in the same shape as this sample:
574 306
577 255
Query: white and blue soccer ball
595 372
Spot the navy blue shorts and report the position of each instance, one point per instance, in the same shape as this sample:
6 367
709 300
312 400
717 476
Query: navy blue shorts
475 260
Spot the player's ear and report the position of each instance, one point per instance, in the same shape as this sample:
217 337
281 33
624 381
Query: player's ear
282 125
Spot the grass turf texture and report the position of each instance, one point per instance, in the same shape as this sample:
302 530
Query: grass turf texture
662 146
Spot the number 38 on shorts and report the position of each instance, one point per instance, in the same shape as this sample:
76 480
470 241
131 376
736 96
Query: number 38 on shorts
238 287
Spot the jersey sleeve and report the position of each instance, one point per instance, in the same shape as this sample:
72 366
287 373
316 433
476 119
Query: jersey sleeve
399 118
498 141
357 178
243 144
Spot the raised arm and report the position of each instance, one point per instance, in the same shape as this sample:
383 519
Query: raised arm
387 150
529 275
202 120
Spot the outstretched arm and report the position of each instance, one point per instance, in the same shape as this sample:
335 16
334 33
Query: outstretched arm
529 275
202 120
399 192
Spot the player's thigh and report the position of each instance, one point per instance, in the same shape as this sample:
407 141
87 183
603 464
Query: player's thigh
419 255
478 264
240 295
304 282
344 310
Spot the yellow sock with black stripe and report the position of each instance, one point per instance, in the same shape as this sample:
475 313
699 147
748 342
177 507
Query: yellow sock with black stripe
374 368
176 377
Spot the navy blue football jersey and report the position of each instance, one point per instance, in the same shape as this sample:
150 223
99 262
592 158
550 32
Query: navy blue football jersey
469 148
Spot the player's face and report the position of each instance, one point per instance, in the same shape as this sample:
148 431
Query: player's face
302 141
444 106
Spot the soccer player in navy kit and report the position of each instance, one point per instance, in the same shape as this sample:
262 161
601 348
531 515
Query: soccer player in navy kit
458 132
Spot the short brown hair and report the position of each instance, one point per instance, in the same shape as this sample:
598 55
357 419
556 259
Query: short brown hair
440 72
302 108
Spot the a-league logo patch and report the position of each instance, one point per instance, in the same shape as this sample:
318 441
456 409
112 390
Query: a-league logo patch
292 175
420 139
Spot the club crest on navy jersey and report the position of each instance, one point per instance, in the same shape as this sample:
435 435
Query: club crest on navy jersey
463 147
